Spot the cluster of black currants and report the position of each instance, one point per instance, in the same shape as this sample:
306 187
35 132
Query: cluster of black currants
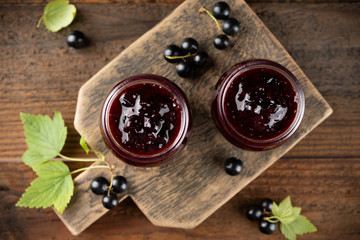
186 56
100 186
230 26
258 213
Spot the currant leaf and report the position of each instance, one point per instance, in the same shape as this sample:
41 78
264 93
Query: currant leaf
53 187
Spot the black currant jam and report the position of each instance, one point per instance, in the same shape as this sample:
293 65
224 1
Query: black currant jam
145 120
258 104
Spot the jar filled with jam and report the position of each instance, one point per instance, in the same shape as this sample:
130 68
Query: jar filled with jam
258 104
145 120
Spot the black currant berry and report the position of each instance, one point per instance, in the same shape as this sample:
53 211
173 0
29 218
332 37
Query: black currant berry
99 186
76 39
233 166
266 226
231 26
221 10
221 42
183 69
189 45
201 59
254 213
119 184
172 51
110 201
267 204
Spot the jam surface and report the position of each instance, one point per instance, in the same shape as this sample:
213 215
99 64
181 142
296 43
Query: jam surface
145 118
260 104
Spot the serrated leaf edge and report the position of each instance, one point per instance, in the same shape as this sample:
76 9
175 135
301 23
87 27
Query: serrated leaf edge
63 206
57 117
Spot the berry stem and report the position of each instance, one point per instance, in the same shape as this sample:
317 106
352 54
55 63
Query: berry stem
272 219
203 9
83 159
111 167
179 57
86 168
111 183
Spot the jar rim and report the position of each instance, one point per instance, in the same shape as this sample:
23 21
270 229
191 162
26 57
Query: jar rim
129 156
229 76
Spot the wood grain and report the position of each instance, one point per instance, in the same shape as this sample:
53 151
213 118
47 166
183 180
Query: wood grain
330 200
43 2
329 156
30 66
185 191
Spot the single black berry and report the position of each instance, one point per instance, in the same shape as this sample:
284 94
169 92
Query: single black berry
119 184
183 69
201 59
267 204
231 26
254 213
221 10
76 39
221 42
99 186
266 226
172 51
189 45
233 166
110 201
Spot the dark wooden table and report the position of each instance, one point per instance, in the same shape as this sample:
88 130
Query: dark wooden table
40 74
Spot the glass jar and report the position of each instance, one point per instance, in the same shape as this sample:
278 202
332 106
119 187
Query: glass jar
145 120
258 104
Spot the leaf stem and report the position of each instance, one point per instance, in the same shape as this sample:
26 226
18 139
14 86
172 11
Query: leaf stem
98 152
86 168
83 159
203 9
39 22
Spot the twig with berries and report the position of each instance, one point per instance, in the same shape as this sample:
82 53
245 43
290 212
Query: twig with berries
187 57
230 26
54 185
269 214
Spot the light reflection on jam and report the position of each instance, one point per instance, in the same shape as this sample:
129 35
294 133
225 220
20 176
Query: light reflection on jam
260 104
145 119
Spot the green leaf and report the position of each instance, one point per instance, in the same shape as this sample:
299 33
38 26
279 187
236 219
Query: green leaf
52 187
284 211
291 222
285 207
299 226
296 211
57 15
303 225
32 157
275 209
288 231
83 144
287 219
45 137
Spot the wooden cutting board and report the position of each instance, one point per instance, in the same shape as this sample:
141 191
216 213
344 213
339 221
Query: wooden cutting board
185 191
